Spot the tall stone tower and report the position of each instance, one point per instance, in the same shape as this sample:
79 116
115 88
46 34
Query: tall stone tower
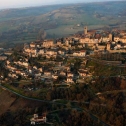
85 30
111 37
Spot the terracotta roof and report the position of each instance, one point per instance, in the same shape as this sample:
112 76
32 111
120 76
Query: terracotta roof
83 51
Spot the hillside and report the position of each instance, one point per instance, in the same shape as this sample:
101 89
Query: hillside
14 103
18 111
23 25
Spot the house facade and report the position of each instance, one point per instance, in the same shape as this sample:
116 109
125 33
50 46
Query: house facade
38 119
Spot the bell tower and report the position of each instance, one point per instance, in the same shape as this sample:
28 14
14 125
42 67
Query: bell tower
85 30
111 37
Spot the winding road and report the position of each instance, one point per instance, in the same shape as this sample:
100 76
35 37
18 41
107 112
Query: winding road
94 117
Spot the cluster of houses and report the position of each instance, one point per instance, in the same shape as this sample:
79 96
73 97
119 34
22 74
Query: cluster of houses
4 53
66 48
103 40
22 68
52 49
48 72
93 39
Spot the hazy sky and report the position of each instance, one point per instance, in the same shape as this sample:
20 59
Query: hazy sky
25 3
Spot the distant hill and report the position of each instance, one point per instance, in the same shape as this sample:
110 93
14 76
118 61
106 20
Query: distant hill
27 11
23 25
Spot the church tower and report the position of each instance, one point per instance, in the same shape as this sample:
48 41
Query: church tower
85 30
111 37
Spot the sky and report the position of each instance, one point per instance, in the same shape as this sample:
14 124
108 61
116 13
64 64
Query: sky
27 3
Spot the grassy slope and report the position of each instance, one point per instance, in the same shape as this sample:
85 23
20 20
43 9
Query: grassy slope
5 100
9 101
58 20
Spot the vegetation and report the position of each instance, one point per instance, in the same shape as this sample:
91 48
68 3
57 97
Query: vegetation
71 113
95 99
25 24
98 100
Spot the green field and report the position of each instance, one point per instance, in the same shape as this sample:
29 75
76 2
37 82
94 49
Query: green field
23 25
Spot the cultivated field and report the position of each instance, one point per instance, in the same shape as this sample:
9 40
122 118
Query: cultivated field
23 25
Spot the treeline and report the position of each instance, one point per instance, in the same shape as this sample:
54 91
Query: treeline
76 92
113 111
75 118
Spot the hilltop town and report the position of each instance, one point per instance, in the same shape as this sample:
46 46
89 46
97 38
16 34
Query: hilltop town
63 64
64 60
87 63
52 60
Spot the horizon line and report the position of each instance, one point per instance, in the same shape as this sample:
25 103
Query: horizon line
54 4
